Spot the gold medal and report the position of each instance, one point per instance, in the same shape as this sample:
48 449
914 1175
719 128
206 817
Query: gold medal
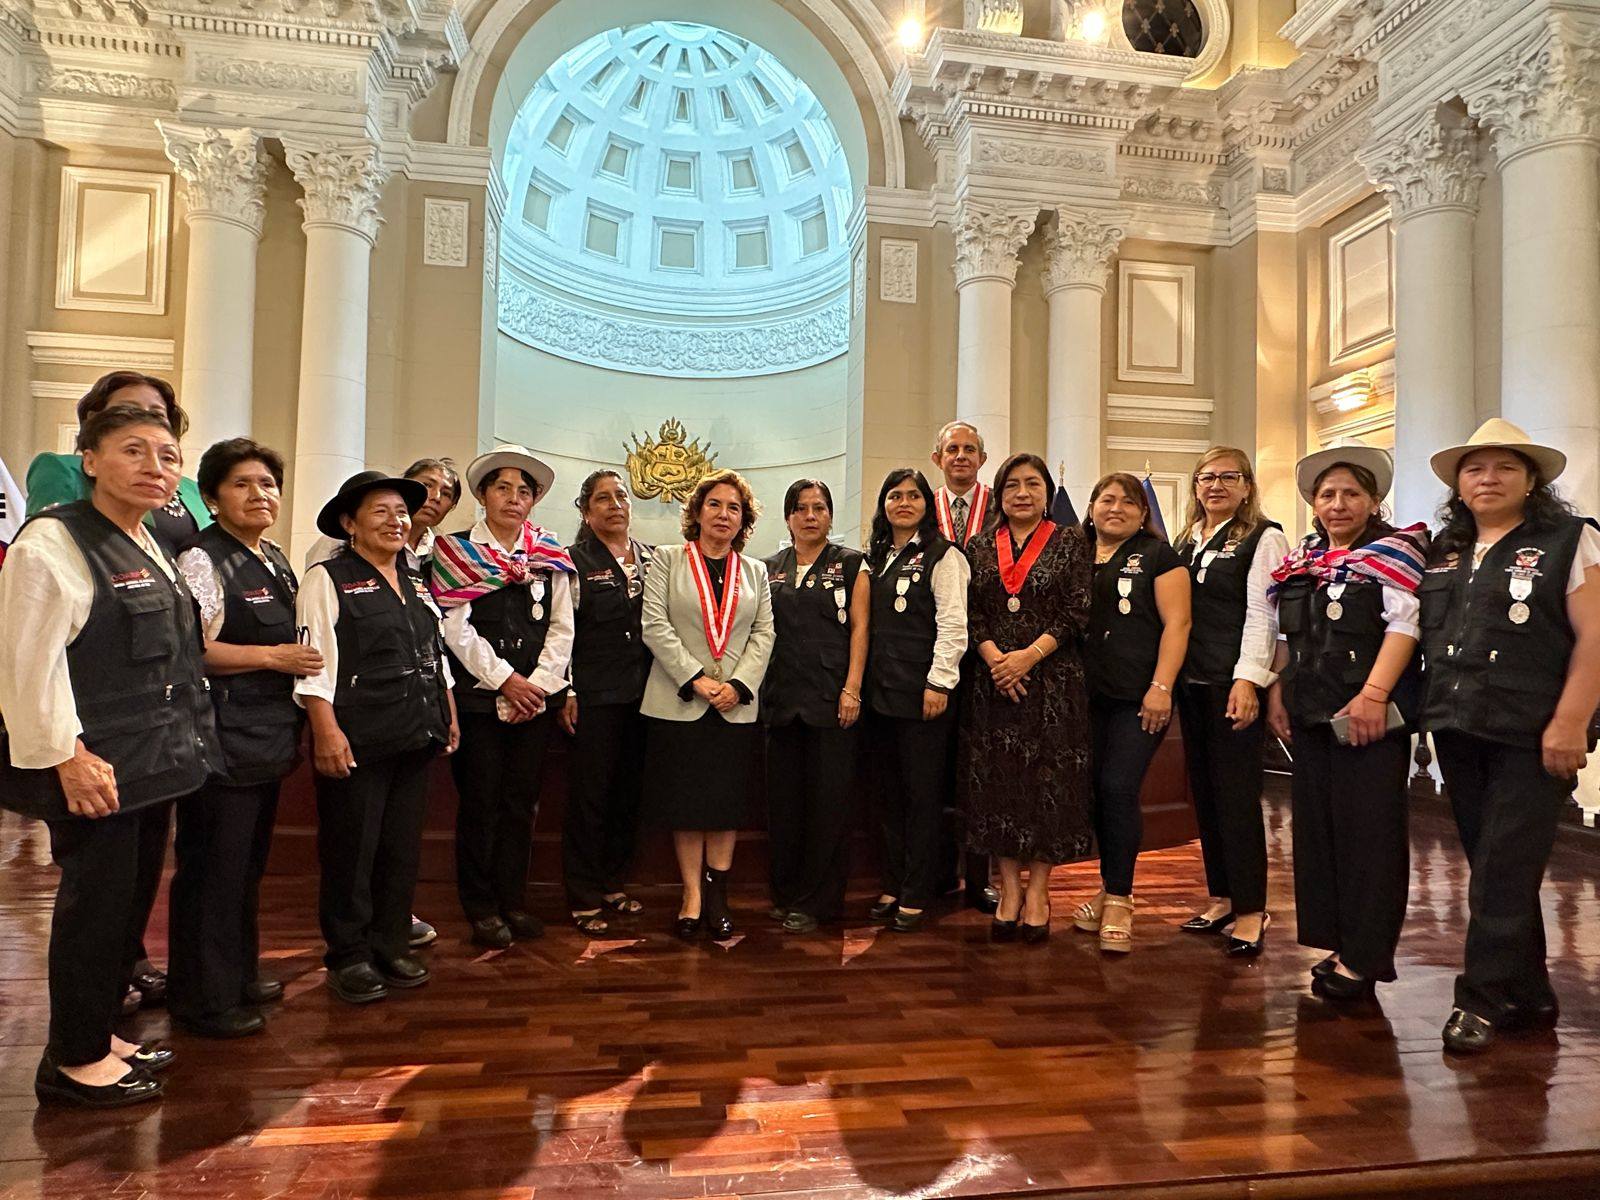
899 604
1520 613
1014 603
714 671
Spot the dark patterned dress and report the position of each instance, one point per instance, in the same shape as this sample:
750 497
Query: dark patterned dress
1023 773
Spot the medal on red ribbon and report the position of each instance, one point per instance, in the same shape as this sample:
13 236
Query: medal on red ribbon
1014 571
718 621
979 497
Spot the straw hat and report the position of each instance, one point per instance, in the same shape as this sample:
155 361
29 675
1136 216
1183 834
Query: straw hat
1498 434
1352 453
520 457
348 498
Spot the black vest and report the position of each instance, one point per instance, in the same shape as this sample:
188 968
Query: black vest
1485 673
811 650
1120 648
514 620
137 677
390 694
1218 602
902 641
257 718
610 661
1331 657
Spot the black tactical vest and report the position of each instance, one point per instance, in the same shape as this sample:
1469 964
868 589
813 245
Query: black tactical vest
514 620
1120 647
903 637
811 650
1218 601
390 694
1486 672
137 677
257 718
610 661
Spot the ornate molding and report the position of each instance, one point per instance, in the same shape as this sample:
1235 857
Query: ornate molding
264 76
343 182
106 85
444 232
1433 164
897 270
1041 155
1333 152
988 240
993 16
538 319
224 172
1548 92
1158 189
1079 247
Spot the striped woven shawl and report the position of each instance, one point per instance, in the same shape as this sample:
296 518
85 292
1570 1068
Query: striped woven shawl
464 570
1395 561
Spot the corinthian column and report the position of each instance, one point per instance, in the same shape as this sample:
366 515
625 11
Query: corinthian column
1431 175
988 240
224 174
343 182
1079 247
1543 110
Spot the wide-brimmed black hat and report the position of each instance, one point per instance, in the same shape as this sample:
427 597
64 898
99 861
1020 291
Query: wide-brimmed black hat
348 498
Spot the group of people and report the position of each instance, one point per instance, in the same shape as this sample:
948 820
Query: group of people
996 682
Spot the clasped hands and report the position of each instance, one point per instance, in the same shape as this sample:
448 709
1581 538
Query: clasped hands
526 698
1009 672
721 696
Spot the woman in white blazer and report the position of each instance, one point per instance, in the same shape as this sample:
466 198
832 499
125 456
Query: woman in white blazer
708 623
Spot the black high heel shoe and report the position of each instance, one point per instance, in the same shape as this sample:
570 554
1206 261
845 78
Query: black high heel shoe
1204 924
1002 931
686 929
1239 948
714 905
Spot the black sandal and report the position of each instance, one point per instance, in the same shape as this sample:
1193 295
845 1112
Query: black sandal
624 904
590 923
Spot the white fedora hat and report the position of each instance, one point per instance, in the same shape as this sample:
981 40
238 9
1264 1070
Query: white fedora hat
1352 453
1498 434
520 457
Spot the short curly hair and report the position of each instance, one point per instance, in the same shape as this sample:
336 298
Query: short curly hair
98 397
747 497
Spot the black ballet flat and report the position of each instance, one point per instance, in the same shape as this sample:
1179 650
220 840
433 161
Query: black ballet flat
1467 1033
1239 948
905 922
152 1058
1325 967
1334 986
800 922
686 929
1002 931
884 910
51 1086
1205 924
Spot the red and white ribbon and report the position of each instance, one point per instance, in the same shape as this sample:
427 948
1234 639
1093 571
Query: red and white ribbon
980 508
718 622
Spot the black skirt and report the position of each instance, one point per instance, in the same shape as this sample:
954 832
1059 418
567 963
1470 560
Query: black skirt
701 775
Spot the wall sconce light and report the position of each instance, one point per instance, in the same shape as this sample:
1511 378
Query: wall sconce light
912 30
1353 391
1094 25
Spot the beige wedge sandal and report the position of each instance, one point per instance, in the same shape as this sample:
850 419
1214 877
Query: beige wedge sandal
1087 915
1116 936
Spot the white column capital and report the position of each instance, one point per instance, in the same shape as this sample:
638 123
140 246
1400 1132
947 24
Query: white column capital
224 172
988 239
1079 246
1543 94
1432 164
343 182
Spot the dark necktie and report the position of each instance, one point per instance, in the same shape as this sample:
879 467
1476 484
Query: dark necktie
958 519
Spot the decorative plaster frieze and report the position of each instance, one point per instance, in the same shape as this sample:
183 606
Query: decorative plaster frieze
1041 155
993 16
1544 93
1079 246
1159 410
1433 164
444 232
897 270
104 85
988 240
1458 26
224 172
535 317
103 351
491 257
264 76
1333 153
343 182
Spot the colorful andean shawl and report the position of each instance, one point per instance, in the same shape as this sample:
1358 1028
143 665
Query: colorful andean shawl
1396 560
464 569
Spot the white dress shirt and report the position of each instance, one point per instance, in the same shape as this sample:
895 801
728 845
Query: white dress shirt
948 581
46 592
1260 640
476 654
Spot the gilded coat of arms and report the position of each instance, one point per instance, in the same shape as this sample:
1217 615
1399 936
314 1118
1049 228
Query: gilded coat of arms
667 469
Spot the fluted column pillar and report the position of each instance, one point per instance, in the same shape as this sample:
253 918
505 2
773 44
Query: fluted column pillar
988 240
342 182
1079 247
1543 109
1431 175
224 173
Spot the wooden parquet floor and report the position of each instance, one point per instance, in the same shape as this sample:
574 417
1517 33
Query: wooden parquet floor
848 1064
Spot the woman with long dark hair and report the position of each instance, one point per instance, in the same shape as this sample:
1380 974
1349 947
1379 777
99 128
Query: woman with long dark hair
610 664
810 702
1133 650
1024 758
1347 606
918 635
1511 649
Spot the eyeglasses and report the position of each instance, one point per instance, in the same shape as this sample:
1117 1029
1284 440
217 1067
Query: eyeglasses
1230 478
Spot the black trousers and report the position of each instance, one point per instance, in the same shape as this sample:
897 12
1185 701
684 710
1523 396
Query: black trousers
910 756
1225 777
498 769
153 839
213 938
956 863
1120 752
1506 811
1352 849
369 840
605 776
97 918
810 789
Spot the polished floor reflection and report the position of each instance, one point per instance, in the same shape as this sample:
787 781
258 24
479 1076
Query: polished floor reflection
844 1064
